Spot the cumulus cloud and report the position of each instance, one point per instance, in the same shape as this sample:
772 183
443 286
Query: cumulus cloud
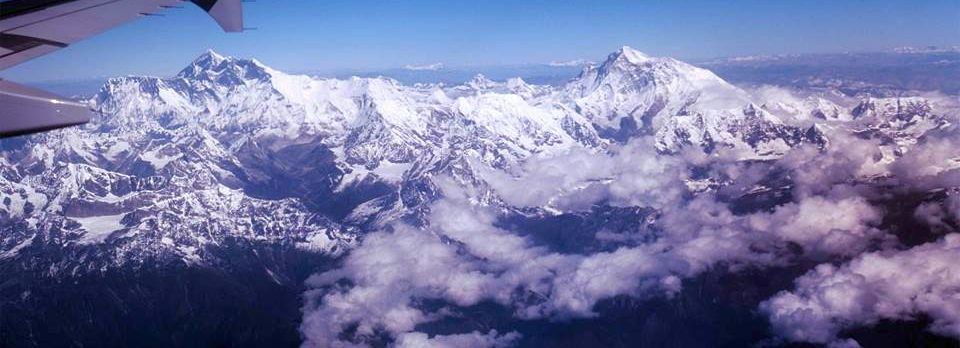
896 285
940 216
887 284
825 226
632 175
845 161
462 258
929 165
828 217
388 271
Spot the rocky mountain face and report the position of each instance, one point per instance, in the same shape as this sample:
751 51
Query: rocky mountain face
897 122
231 167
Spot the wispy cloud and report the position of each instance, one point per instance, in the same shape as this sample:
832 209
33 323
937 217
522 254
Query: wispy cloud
570 63
425 67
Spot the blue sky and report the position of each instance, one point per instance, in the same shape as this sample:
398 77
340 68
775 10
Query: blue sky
338 35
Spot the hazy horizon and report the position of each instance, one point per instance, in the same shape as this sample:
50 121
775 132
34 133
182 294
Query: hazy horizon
559 72
342 36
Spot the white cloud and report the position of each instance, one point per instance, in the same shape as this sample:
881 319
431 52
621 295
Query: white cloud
825 226
847 159
896 285
931 164
632 175
938 215
570 63
389 270
462 258
425 67
471 340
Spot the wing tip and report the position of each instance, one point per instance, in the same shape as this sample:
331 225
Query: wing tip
227 13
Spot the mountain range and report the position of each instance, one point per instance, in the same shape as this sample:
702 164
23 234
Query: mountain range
231 182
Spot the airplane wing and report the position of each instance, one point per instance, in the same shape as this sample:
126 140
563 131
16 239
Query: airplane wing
32 28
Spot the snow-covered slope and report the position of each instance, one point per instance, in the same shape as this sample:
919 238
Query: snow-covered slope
633 94
232 149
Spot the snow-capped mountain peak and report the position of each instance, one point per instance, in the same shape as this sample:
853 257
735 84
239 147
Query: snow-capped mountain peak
633 94
211 66
232 151
630 94
634 67
481 82
209 58
630 55
635 75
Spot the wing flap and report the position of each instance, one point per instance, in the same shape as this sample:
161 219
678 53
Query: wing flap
18 57
69 24
28 110
30 28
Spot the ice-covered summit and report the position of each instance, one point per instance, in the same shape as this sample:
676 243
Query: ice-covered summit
630 55
633 94
211 66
